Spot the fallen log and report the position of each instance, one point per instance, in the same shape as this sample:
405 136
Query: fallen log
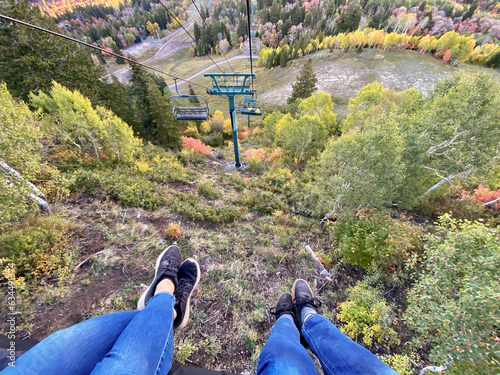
318 265
36 196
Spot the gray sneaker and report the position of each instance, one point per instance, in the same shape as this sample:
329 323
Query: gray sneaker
167 266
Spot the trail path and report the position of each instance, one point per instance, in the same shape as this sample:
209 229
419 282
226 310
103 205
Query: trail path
169 41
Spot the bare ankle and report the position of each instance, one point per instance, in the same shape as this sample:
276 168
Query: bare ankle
166 285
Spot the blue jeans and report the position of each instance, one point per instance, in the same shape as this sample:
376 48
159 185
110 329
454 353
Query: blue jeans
123 343
338 354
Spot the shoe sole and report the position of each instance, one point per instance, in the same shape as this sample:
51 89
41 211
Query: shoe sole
140 304
185 320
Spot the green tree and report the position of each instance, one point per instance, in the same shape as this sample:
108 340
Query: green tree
376 21
30 60
361 168
303 137
118 51
349 19
494 59
321 105
20 148
455 305
305 84
283 56
454 136
71 120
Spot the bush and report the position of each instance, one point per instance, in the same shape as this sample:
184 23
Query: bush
20 148
73 122
128 189
399 363
163 167
40 248
374 239
279 176
367 316
191 206
195 145
173 230
256 165
254 153
263 201
191 131
206 189
484 195
455 305
205 128
213 140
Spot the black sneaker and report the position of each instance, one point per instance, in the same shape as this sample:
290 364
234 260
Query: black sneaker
302 296
189 276
167 266
283 306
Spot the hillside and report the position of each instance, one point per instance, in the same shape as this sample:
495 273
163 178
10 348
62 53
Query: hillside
379 160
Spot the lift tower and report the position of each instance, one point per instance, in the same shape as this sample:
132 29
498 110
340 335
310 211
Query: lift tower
230 85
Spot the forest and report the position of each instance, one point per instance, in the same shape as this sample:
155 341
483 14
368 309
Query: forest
399 199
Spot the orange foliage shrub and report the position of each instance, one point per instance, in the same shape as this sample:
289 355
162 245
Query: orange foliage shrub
244 134
276 154
196 145
484 195
173 230
254 153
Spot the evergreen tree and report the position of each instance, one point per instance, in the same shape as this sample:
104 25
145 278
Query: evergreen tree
376 21
191 92
305 84
30 60
494 60
349 19
283 56
166 130
155 119
197 32
116 49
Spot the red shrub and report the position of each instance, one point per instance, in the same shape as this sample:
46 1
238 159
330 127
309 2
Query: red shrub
484 195
196 145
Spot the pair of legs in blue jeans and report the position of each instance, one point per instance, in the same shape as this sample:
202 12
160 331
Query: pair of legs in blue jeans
141 342
284 354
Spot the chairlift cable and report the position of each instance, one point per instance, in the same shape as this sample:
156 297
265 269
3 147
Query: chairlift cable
223 54
187 32
94 47
250 41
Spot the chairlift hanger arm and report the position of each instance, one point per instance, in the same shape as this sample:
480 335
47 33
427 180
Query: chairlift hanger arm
236 88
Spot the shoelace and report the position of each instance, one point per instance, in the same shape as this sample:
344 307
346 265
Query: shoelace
167 262
183 290
276 312
313 302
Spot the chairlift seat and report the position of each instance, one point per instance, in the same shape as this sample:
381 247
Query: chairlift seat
251 107
189 107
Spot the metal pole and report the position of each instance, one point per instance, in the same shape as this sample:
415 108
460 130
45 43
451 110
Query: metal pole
232 113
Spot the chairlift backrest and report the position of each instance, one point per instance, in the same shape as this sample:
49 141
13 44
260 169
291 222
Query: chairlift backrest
188 107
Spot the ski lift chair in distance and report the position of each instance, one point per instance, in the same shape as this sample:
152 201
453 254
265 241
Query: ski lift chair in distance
251 107
188 107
